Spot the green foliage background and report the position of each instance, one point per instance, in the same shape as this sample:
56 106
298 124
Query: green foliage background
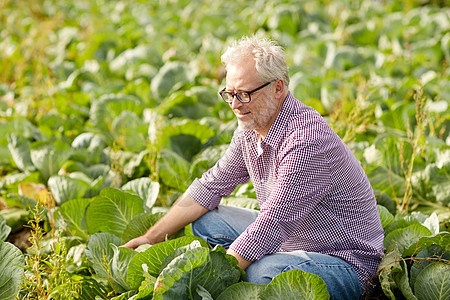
102 94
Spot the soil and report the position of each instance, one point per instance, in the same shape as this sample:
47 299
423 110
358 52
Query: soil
20 238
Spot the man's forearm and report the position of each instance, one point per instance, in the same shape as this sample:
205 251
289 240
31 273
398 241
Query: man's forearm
242 262
184 211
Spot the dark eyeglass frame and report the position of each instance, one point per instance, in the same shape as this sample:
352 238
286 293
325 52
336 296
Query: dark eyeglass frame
224 94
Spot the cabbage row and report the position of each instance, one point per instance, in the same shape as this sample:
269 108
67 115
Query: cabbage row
109 110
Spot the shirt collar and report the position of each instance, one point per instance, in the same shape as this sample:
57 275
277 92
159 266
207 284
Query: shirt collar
278 127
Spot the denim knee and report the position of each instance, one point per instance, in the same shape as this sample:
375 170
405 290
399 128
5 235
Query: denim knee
224 225
200 224
212 229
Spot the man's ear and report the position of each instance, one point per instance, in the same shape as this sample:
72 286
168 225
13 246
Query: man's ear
279 88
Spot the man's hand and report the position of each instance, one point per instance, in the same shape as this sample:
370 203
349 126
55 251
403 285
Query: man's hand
184 211
136 242
242 262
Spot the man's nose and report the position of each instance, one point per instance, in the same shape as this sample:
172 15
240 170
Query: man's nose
235 103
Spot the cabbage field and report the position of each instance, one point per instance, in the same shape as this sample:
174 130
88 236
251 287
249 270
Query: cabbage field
109 109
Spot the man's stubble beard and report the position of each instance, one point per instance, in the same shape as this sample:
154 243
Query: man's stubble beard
261 118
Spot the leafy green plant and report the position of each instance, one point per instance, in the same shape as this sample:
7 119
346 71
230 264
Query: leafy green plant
12 272
294 284
123 95
4 229
198 266
417 257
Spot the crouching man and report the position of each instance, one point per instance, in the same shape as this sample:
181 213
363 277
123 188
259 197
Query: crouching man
317 211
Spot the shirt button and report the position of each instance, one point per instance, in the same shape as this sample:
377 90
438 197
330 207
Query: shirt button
262 180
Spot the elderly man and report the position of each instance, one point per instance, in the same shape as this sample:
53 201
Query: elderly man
317 208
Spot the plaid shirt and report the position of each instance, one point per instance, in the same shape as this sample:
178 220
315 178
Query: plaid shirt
312 192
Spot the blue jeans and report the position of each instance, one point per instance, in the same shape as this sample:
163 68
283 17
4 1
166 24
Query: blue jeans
223 226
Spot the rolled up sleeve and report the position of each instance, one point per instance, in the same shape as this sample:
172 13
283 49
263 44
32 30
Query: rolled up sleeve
221 180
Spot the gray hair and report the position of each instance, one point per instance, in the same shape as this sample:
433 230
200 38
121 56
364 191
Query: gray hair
270 59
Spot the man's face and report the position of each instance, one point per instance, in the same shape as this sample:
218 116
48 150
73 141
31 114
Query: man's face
262 110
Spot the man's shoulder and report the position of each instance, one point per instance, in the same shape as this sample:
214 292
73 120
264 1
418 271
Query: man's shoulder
296 122
306 123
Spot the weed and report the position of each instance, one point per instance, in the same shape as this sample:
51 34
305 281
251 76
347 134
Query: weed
416 140
46 267
353 117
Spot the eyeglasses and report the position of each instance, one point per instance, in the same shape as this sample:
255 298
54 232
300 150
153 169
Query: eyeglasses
243 96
